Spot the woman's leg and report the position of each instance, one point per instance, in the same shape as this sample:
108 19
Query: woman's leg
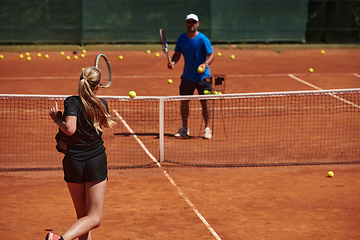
89 201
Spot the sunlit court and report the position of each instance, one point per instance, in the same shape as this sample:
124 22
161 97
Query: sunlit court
282 161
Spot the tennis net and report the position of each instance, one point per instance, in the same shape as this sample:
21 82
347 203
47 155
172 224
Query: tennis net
262 129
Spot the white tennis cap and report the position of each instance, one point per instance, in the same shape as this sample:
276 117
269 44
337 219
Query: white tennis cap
192 16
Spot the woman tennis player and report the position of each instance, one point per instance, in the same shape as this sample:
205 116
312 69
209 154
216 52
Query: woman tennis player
85 161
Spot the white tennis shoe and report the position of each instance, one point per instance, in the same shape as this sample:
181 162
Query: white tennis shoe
207 133
183 132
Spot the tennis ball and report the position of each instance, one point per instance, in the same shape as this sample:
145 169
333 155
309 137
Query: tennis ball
157 55
76 57
170 81
206 92
200 69
27 54
219 54
83 51
82 55
132 94
68 57
1 56
46 55
21 56
148 51
39 54
311 70
215 92
232 56
62 53
28 58
330 174
322 52
121 57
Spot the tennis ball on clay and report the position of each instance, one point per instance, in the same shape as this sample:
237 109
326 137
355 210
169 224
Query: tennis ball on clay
1 56
170 81
132 94
82 55
148 51
28 58
322 52
311 70
232 56
330 174
83 51
76 57
68 57
121 57
39 55
200 69
62 53
27 54
157 55
21 56
219 54
46 55
206 92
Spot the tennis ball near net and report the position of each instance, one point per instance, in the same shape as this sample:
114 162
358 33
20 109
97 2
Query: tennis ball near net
62 53
83 51
132 94
207 92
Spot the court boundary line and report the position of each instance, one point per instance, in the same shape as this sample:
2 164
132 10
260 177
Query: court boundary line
316 87
166 76
187 200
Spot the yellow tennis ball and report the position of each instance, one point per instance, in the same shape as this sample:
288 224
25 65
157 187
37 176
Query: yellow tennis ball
83 55
27 54
322 52
206 92
330 174
46 55
68 57
121 57
21 56
83 51
148 51
170 81
76 57
232 56
200 69
39 54
219 54
132 94
311 70
28 58
62 53
157 55
1 56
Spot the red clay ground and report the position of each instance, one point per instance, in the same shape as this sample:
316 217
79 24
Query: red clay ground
238 203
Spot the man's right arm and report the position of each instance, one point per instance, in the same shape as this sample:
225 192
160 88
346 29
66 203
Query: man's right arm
175 58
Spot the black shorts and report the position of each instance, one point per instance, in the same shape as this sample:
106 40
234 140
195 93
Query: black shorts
91 170
188 87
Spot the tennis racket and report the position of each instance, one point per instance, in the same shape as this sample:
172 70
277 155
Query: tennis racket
164 44
102 63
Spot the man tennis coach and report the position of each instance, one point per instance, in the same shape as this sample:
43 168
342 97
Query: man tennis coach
197 51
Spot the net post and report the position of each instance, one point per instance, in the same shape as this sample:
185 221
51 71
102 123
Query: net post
161 129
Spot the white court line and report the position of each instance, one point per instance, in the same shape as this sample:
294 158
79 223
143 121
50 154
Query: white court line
169 178
357 75
316 87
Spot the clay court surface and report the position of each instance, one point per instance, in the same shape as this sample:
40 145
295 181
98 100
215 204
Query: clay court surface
177 202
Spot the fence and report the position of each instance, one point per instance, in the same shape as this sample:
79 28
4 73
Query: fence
138 21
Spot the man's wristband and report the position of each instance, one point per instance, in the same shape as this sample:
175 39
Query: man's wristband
207 65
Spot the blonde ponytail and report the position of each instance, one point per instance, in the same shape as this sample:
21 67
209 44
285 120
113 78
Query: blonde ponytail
95 110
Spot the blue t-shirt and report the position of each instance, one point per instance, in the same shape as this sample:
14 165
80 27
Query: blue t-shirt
194 51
